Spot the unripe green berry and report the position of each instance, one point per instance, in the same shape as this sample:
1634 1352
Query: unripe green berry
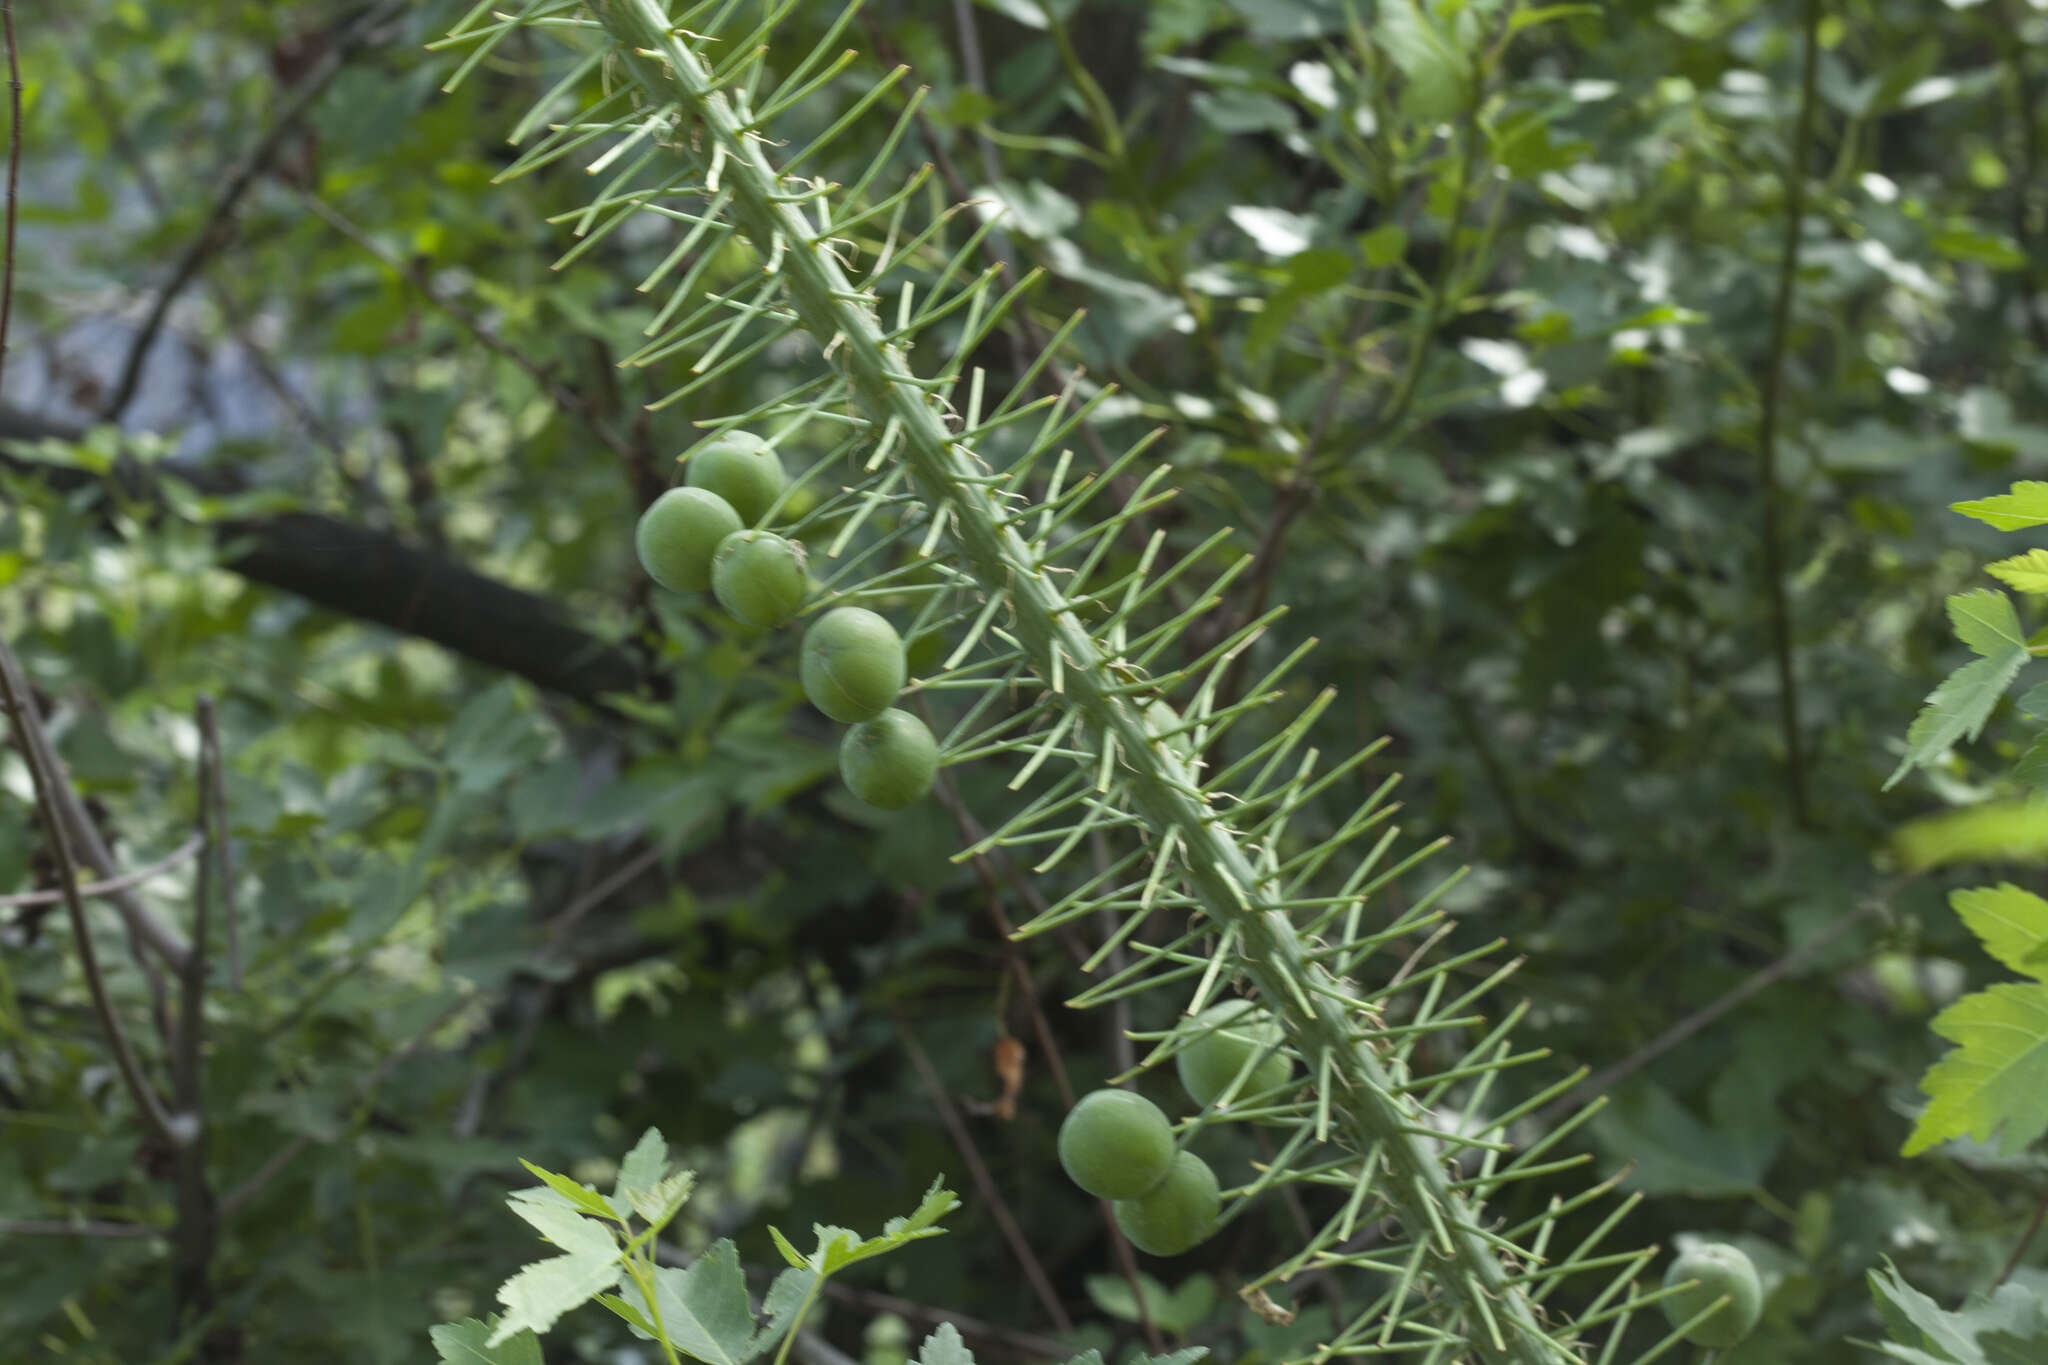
1239 1032
740 468
758 577
852 664
1720 1269
1115 1144
890 761
1178 1213
677 535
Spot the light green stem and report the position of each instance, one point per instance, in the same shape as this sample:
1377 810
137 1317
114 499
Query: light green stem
1469 1279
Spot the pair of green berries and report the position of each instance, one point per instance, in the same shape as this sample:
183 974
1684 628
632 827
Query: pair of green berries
1118 1145
852 665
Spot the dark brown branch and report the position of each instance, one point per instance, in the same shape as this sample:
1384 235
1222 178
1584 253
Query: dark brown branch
1609 1077
217 230
107 888
1767 423
35 749
1020 1245
565 398
374 576
2019 1253
2021 108
197 1226
13 171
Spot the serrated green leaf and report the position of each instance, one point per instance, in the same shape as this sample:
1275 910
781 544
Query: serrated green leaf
645 1185
2010 1327
582 1196
1996 1079
944 1347
2026 505
537 1296
782 1306
568 1228
1437 78
2012 924
658 1205
2030 770
836 1247
2023 573
702 1308
467 1343
1984 620
628 1313
1958 708
923 1221
645 1166
796 1259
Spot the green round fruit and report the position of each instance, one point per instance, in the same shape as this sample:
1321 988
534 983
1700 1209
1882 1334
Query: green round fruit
1115 1144
1720 1269
1176 1214
740 468
677 535
852 664
1241 1031
758 577
889 762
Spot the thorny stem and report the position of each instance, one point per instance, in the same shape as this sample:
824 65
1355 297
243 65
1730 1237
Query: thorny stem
1366 1106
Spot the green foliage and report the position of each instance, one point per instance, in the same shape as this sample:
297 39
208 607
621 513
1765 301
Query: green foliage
2008 1325
701 1311
1479 392
1995 1083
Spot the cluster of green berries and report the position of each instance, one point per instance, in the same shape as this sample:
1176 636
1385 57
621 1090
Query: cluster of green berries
1118 1145
708 534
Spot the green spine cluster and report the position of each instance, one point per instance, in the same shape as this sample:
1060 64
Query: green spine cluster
1072 658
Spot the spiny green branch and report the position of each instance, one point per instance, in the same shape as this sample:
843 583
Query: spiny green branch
1072 661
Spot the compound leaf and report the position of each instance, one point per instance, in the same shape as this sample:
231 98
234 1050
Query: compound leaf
2025 506
1996 1079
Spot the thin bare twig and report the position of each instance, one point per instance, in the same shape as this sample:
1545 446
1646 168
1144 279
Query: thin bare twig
1020 1245
1606 1079
58 1227
573 913
2021 108
13 171
194 1233
1025 1343
216 230
318 427
178 855
283 1156
14 691
2019 1252
1767 423
220 843
567 399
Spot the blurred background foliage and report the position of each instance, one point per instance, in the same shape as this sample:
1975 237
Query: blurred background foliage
529 856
